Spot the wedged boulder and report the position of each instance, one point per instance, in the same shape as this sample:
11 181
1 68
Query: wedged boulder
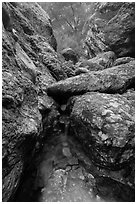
105 59
113 24
100 62
69 54
104 124
112 80
90 65
54 66
123 60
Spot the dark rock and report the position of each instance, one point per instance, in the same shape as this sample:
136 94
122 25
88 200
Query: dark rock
113 191
6 19
104 123
21 125
114 25
123 60
112 80
69 54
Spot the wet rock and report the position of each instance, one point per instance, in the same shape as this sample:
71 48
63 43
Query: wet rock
112 80
69 54
123 60
104 124
113 24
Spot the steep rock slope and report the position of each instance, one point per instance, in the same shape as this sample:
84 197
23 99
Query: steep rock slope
112 27
30 64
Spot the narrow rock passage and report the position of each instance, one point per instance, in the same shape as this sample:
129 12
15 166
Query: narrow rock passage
65 174
61 177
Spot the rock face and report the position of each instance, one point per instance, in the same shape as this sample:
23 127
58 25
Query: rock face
100 109
112 80
25 80
104 123
114 25
69 54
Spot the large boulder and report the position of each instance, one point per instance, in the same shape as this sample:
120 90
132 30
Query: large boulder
104 124
112 80
69 54
114 25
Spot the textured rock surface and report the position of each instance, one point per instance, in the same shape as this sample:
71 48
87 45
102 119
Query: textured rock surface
105 59
111 80
100 62
114 25
25 80
69 54
123 60
90 65
104 123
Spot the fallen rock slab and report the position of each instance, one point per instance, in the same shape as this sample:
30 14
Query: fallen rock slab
112 80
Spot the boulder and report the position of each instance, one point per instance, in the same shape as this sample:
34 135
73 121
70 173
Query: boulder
81 70
104 124
91 66
105 59
112 80
100 62
112 25
69 54
123 60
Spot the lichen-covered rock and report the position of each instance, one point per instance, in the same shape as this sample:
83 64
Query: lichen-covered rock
69 54
123 60
112 80
104 123
112 25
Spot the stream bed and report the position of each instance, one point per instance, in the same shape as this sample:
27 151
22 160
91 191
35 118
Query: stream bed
63 173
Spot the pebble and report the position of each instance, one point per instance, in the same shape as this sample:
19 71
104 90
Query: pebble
66 152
